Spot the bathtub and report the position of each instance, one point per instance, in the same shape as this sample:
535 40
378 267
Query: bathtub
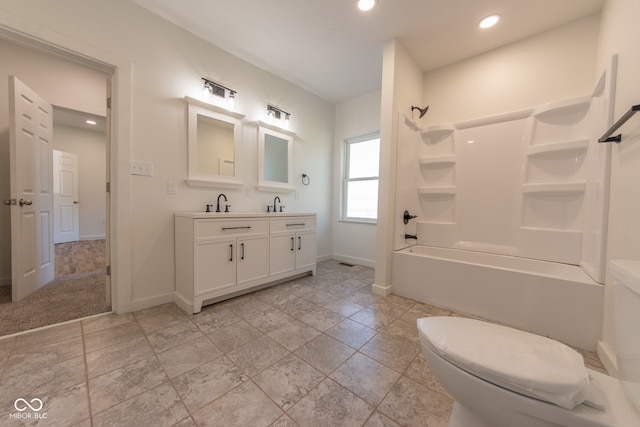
556 300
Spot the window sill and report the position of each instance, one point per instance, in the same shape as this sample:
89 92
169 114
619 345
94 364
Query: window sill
359 220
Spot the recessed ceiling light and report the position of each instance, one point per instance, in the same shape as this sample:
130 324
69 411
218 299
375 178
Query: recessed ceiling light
365 5
489 21
91 122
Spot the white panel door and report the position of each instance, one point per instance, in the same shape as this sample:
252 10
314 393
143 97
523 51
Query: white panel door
66 209
30 134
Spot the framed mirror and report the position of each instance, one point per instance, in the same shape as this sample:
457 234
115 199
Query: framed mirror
214 137
275 159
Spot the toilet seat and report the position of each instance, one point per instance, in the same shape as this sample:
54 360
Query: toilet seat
519 361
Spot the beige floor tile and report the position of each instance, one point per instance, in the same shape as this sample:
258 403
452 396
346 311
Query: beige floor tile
233 336
257 355
159 317
352 333
412 404
343 307
160 406
112 336
392 351
294 334
178 360
269 320
288 380
48 336
122 384
116 356
214 317
246 405
380 420
375 319
174 335
66 407
106 321
330 405
324 353
320 318
419 372
207 382
366 378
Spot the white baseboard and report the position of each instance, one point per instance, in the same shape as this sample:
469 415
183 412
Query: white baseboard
384 291
354 260
141 304
95 237
608 358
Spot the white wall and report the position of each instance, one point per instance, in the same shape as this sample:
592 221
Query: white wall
555 65
167 63
353 242
62 83
619 36
91 150
402 81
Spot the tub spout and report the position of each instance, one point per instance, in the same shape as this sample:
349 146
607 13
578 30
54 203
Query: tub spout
411 236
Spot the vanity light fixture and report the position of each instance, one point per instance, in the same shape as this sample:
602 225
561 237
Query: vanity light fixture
213 88
275 113
365 5
489 21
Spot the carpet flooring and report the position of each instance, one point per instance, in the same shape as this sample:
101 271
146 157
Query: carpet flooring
77 291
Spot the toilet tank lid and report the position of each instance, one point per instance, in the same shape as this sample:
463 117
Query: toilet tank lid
525 363
626 271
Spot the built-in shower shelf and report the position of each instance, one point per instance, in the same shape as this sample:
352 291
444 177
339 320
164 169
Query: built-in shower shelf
568 109
438 191
558 148
555 189
437 161
436 134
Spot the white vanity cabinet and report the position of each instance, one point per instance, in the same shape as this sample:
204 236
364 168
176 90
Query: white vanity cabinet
219 256
293 245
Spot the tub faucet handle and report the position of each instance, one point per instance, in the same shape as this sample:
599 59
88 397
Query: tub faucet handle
407 216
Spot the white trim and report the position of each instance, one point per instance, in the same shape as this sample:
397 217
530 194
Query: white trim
141 304
28 34
384 291
354 260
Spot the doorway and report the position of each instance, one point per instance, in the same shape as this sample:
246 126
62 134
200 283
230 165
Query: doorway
59 74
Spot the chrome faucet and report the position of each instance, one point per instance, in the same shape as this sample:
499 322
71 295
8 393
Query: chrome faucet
218 204
274 203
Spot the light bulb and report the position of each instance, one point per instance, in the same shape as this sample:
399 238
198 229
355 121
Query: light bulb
489 21
365 5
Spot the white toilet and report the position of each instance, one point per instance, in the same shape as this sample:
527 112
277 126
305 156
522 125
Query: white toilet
503 377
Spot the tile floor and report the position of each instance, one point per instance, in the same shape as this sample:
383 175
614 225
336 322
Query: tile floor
316 351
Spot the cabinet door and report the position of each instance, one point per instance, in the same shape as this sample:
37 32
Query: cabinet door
253 258
215 265
282 253
305 249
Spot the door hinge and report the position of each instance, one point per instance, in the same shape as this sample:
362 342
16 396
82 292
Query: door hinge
108 102
108 187
108 270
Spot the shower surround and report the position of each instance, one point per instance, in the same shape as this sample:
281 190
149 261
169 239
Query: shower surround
531 184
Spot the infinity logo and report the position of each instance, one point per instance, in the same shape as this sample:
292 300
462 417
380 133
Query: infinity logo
20 403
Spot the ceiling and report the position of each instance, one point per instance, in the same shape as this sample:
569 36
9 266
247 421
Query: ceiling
78 119
334 50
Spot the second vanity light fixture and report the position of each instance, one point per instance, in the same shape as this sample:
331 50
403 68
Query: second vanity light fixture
217 89
275 113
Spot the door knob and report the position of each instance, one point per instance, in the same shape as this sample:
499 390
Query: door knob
9 202
23 202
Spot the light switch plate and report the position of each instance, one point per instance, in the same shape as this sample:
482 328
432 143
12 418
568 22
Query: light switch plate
139 167
172 187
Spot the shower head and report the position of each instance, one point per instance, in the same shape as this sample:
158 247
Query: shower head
423 111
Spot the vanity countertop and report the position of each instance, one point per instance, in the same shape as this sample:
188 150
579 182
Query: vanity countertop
223 215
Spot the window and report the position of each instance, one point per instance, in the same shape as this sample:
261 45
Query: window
360 190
